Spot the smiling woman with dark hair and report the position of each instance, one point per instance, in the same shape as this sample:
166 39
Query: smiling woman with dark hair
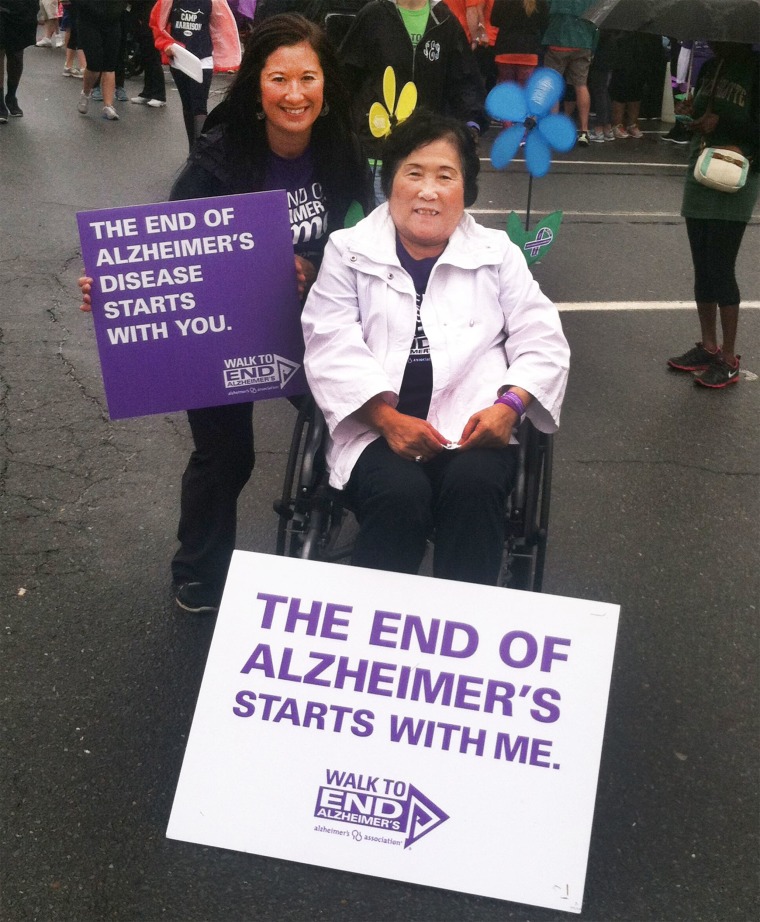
426 340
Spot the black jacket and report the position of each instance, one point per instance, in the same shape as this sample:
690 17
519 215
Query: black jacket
442 66
518 32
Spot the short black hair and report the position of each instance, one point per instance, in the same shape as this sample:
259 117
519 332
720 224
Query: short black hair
424 127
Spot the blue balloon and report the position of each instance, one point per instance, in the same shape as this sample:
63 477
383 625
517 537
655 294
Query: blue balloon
506 146
506 102
558 131
538 156
544 90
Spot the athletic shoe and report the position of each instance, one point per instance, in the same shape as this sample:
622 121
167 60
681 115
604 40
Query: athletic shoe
58 41
97 94
677 134
582 139
620 133
4 113
157 103
110 113
609 135
67 71
139 100
13 107
45 43
696 359
121 94
596 134
83 104
719 374
198 598
634 131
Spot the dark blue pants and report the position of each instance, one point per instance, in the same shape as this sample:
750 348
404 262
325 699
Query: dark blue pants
460 495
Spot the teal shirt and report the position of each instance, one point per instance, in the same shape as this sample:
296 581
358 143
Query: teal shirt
566 29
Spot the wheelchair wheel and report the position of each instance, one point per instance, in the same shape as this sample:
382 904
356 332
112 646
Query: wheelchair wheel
311 516
528 520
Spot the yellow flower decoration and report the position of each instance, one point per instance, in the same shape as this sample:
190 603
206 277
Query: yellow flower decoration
384 118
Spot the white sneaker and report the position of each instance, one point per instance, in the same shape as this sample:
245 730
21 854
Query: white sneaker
58 41
634 131
83 104
139 100
45 43
620 133
156 103
110 113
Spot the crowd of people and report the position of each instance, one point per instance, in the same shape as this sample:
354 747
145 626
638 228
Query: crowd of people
427 340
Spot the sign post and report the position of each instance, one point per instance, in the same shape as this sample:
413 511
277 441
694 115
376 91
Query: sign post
416 729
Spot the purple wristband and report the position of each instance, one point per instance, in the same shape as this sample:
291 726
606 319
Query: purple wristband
512 400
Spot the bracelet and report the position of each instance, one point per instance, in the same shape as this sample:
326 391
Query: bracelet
512 400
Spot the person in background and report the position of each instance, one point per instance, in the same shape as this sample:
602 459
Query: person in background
99 35
75 63
424 44
50 37
427 339
153 93
726 111
208 30
284 124
599 87
571 41
18 30
485 53
635 55
521 25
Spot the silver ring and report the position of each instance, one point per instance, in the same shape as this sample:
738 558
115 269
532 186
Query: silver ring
418 458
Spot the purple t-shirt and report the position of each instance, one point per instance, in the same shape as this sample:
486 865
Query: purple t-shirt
306 202
417 384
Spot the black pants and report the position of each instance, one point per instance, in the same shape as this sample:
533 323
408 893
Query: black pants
154 86
218 470
462 495
714 248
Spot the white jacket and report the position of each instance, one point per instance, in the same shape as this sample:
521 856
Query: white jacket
487 322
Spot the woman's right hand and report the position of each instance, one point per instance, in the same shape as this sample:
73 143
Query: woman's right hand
85 284
409 437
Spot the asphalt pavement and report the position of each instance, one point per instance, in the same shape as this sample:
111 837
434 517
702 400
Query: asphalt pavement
654 507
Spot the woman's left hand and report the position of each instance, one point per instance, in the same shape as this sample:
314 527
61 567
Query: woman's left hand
489 428
306 273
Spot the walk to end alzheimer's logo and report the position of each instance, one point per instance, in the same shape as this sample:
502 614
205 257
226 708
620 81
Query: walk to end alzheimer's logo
383 810
258 372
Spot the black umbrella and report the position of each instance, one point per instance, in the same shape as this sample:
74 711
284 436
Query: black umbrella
708 20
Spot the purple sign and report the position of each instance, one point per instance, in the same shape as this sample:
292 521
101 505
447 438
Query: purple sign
195 303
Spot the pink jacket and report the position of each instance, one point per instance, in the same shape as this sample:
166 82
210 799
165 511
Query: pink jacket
224 33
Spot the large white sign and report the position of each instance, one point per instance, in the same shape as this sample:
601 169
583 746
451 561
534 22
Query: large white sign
411 728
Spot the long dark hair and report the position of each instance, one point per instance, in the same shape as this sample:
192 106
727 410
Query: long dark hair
338 161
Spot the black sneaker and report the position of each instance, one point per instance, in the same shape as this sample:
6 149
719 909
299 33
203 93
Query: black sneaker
583 139
198 598
4 113
678 134
696 359
13 107
719 374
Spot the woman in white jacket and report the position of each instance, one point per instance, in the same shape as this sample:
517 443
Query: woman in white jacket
426 341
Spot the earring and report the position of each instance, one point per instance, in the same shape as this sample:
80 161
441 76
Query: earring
325 110
260 115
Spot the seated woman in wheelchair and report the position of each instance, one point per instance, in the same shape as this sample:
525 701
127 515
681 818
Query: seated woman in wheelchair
427 339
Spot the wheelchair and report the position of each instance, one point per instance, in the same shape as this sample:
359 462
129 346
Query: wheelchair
315 524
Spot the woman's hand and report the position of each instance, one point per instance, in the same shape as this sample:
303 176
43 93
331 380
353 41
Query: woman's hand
489 428
409 437
706 124
306 273
85 283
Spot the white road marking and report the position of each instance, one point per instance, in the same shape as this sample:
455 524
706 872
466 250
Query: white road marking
573 306
582 214
617 163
